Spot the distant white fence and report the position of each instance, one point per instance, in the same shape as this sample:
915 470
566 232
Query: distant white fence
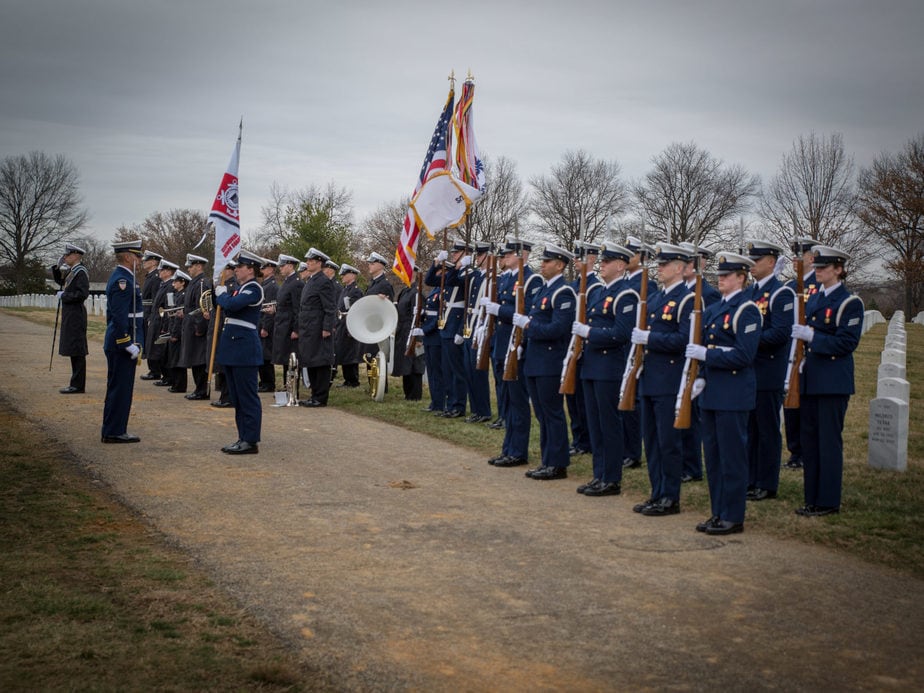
96 305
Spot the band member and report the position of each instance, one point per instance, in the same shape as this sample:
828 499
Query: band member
285 325
240 352
195 353
730 335
450 325
122 343
378 284
73 293
411 369
777 307
665 341
150 262
302 271
267 320
158 318
176 373
316 316
611 314
477 383
801 248
832 330
347 351
547 329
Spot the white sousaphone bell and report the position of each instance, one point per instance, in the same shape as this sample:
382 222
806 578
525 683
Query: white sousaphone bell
372 320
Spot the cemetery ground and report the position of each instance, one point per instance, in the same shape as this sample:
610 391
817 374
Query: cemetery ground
93 587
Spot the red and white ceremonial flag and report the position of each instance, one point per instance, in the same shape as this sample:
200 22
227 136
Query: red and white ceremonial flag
468 160
226 215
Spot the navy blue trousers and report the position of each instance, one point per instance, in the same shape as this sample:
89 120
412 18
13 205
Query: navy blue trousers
604 426
822 421
580 436
793 432
692 441
454 375
662 446
632 431
477 382
765 444
120 385
248 410
549 407
725 435
518 420
433 354
500 388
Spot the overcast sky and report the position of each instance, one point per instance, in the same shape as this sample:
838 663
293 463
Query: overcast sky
145 97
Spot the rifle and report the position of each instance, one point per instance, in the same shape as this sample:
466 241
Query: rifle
511 363
483 362
797 349
576 347
411 349
441 315
635 362
684 406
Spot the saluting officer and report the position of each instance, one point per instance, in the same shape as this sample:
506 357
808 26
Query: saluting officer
316 316
730 335
584 252
777 307
832 330
123 340
73 294
612 309
267 322
547 329
665 341
347 351
240 352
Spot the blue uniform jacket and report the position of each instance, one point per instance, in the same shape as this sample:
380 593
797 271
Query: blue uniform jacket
551 316
431 317
777 305
239 344
124 312
838 323
453 299
612 312
731 333
477 279
506 297
669 323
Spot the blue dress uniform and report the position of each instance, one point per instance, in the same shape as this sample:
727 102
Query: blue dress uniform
433 350
611 314
453 363
776 303
124 335
836 316
241 354
731 333
506 283
477 382
577 414
632 420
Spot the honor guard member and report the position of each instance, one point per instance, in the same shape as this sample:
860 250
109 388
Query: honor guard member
240 352
150 263
411 369
177 375
547 330
665 341
612 309
316 316
505 281
429 334
832 330
730 335
801 248
267 320
73 294
580 435
285 325
632 420
221 384
123 340
194 354
517 417
158 319
699 259
477 382
347 351
452 308
777 305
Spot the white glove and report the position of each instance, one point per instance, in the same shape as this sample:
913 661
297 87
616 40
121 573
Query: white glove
696 351
221 289
803 332
457 339
133 350
417 332
491 308
580 329
519 352
640 336
465 261
698 386
484 301
520 320
441 256
58 295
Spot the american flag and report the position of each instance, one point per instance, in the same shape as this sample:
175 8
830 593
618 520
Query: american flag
438 158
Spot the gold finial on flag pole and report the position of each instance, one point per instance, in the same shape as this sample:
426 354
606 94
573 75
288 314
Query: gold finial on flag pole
452 78
470 77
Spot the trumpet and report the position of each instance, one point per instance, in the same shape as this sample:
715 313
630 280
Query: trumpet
161 311
269 307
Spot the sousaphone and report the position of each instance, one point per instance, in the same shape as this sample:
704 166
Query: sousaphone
372 320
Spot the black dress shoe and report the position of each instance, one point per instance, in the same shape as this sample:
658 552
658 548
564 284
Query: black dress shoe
574 450
241 447
196 396
150 376
510 461
453 414
163 383
70 391
609 489
759 494
725 527
122 438
311 403
174 389
701 527
687 478
220 404
794 462
590 484
816 511
496 424
549 473
665 506
439 412
427 409
631 463
639 507
477 418
495 460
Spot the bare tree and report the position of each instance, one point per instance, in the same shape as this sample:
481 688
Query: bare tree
492 217
173 234
99 258
891 206
689 194
39 208
579 188
380 232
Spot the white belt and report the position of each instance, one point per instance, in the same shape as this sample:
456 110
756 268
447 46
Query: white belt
457 304
431 312
240 323
136 315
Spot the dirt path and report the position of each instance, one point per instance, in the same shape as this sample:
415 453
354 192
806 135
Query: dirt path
476 578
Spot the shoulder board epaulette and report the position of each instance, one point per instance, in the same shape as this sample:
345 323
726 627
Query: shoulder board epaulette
840 310
741 310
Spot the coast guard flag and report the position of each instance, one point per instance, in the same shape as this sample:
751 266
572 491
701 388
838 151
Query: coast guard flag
437 159
225 215
468 160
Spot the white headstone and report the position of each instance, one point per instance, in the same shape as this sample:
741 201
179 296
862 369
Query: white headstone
890 370
888 434
893 356
897 388
898 344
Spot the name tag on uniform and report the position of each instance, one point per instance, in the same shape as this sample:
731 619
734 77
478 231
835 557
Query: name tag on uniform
750 328
788 306
853 321
628 309
566 305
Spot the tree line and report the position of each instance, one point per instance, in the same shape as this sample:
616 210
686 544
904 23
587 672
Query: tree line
874 212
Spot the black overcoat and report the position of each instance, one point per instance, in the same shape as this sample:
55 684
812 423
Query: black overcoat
76 289
287 301
317 313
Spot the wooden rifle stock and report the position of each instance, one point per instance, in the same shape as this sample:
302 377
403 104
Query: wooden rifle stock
569 370
797 350
483 362
683 416
418 312
512 361
637 357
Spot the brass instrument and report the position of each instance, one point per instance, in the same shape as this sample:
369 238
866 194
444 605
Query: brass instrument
205 301
269 307
292 381
161 311
372 321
